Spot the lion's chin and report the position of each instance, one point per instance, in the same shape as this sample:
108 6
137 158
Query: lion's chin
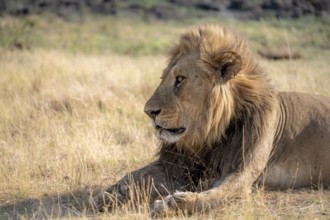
170 135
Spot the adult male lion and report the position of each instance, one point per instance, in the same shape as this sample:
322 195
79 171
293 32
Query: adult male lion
223 127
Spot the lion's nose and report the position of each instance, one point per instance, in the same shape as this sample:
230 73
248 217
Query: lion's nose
152 112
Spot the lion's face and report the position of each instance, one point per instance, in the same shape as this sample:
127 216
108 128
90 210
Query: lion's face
176 105
186 105
194 102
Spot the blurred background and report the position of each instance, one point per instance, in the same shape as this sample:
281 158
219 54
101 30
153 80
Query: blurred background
171 9
102 25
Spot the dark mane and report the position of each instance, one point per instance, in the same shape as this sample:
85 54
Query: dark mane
228 155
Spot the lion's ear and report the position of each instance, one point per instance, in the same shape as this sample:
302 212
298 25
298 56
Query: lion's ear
227 64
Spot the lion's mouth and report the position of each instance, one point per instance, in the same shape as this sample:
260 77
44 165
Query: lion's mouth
170 135
172 130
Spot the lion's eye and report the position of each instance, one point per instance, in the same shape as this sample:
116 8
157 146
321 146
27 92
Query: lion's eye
178 81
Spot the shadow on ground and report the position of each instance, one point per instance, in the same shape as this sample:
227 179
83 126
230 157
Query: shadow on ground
73 204
305 203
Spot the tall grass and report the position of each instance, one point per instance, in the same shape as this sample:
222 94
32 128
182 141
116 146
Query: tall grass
72 122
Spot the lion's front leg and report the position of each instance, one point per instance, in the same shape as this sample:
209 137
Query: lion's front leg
231 186
190 202
144 184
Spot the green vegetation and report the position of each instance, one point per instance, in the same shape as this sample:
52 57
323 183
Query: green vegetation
119 35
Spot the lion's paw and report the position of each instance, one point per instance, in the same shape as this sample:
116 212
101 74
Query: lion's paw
99 201
110 199
172 204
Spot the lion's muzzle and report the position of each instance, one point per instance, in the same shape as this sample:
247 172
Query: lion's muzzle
170 135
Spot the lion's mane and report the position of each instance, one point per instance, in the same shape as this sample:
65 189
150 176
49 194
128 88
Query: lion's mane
235 115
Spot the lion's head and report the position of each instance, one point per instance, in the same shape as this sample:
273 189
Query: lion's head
210 79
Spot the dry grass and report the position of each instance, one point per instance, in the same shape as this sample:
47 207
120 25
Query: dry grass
72 123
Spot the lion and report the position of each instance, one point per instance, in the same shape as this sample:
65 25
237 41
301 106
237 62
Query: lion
224 129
